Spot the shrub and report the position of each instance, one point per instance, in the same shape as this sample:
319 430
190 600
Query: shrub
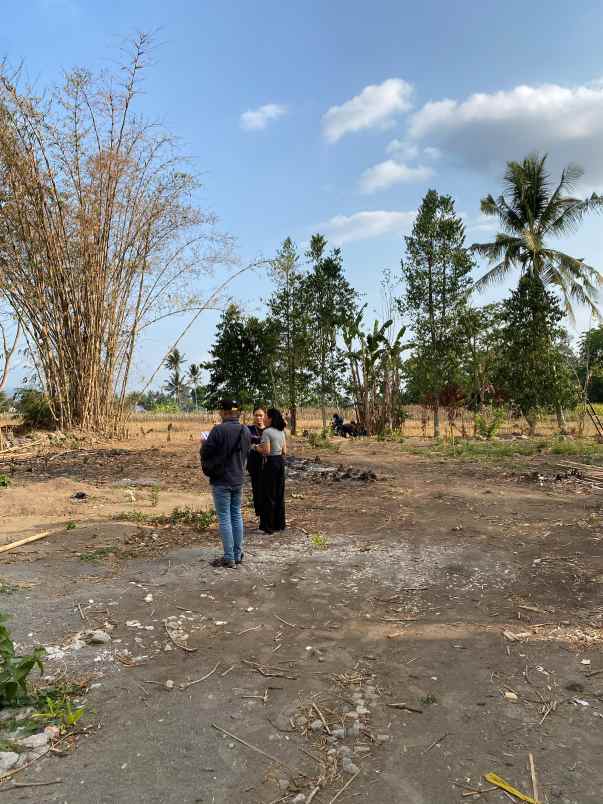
35 409
14 670
488 423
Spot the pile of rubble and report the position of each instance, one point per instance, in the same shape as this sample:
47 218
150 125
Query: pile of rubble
298 468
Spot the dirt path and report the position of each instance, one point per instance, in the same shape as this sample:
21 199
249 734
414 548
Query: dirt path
395 591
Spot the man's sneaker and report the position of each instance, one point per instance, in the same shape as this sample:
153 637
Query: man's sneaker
240 560
222 562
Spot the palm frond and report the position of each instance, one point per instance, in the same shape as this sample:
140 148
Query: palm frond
494 275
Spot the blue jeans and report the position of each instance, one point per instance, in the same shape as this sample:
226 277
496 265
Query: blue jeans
227 502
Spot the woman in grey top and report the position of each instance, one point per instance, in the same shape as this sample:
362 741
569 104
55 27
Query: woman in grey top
273 448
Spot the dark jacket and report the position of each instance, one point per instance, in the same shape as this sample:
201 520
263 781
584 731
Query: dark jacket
221 441
254 459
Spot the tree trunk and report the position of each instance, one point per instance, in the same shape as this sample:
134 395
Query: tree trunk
293 417
530 417
436 421
561 419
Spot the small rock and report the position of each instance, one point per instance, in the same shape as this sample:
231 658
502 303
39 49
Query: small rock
362 710
338 733
34 740
8 760
299 799
169 684
316 725
353 730
362 749
349 767
511 696
283 785
344 750
148 598
383 738
99 638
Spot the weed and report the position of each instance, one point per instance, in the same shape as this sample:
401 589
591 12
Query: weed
4 481
14 670
321 440
7 588
155 495
427 700
319 541
94 555
60 711
70 526
199 520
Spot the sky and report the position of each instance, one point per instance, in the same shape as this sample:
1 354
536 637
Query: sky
338 116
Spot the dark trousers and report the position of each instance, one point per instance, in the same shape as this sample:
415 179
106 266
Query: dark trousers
254 467
272 515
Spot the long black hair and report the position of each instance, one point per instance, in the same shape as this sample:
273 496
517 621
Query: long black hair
276 419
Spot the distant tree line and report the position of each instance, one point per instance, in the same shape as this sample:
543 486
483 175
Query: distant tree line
434 345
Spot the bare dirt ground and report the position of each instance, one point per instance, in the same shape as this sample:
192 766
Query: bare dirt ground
468 593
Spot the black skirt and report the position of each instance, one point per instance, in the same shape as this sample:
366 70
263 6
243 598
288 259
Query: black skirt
272 515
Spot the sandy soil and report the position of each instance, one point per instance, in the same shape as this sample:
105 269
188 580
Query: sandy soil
395 591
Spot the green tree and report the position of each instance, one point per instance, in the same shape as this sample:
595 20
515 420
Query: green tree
176 385
331 301
590 364
530 211
533 367
436 270
289 312
242 359
194 377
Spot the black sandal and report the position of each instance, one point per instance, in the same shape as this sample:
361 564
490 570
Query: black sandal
240 560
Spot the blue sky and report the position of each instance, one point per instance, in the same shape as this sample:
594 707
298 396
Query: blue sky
354 110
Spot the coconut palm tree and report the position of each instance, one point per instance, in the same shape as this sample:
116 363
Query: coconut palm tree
175 360
531 210
194 375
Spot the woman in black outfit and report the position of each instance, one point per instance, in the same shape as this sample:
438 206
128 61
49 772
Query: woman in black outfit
255 459
273 448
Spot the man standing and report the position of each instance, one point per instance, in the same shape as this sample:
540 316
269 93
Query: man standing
223 455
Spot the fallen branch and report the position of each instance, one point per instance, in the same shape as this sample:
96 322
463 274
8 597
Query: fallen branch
199 680
322 717
291 625
533 775
406 708
344 788
27 540
16 785
436 742
22 446
252 747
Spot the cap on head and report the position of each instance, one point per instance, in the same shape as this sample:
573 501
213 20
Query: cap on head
230 406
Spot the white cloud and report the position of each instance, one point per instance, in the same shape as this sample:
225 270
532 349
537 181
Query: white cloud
390 172
487 129
375 106
403 149
256 119
365 225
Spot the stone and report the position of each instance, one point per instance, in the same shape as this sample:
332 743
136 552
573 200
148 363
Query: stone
344 750
18 714
35 740
316 726
362 710
283 785
362 749
353 730
299 799
349 767
8 760
383 738
169 684
338 733
99 637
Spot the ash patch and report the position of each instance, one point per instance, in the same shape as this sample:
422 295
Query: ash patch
318 472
